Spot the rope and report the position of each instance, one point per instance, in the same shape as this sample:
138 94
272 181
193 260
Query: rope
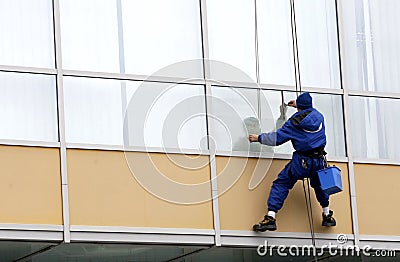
310 214
298 90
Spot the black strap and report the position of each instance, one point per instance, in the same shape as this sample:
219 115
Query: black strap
314 153
298 118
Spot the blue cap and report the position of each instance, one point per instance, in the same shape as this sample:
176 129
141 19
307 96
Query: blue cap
304 101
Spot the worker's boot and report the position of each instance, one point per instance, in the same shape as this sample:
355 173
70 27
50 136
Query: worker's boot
328 220
269 223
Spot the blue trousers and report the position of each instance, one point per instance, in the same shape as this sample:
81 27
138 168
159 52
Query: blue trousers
298 168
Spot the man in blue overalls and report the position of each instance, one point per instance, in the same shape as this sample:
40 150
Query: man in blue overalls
306 130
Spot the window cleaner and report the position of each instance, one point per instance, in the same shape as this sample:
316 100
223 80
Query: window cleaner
306 130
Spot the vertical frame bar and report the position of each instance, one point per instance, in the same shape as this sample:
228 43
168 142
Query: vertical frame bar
347 132
121 53
61 121
256 43
208 101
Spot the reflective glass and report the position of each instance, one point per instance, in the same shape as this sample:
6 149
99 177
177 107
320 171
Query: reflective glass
93 111
89 252
231 36
233 117
329 105
374 127
28 107
272 117
275 45
89 35
166 115
159 33
26 29
371 53
317 43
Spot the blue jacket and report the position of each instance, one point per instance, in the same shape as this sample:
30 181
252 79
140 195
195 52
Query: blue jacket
305 129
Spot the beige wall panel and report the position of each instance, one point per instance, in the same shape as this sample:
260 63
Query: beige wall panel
240 207
30 187
378 194
103 192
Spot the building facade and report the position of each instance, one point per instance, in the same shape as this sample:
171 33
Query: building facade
125 122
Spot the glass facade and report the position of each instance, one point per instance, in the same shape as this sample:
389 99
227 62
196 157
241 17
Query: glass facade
192 78
287 45
374 127
28 107
27 38
370 45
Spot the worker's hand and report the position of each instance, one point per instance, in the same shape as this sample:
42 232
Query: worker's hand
253 138
292 103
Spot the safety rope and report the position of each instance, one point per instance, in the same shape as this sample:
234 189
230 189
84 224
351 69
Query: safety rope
298 90
310 214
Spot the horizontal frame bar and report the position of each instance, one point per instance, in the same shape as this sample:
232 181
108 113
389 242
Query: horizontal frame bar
32 227
392 162
140 149
31 232
374 94
29 70
12 142
132 77
143 230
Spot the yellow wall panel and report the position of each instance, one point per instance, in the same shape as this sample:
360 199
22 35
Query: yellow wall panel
241 207
377 191
103 191
30 187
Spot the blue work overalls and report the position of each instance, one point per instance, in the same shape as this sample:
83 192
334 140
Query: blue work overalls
306 131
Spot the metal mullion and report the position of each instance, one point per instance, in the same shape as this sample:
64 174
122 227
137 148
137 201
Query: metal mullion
61 121
121 52
15 142
139 149
277 87
211 146
393 162
374 94
257 63
132 77
30 70
256 43
323 90
347 130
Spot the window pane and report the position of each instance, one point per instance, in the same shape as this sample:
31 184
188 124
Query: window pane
166 115
329 105
93 111
371 44
275 47
233 118
271 118
26 29
89 35
28 107
332 108
231 35
385 22
374 127
158 33
353 45
317 43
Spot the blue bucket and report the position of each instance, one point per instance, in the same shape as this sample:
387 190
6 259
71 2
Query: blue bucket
330 179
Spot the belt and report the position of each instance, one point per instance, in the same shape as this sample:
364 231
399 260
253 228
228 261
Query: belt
314 153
